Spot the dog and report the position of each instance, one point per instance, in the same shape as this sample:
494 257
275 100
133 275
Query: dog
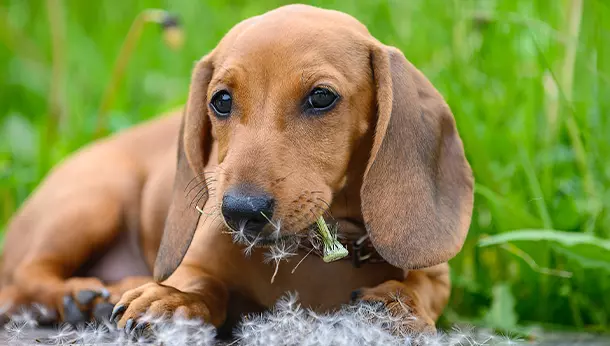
296 114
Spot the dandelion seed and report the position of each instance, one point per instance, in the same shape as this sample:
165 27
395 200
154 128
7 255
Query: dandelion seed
250 246
287 323
25 316
16 330
301 261
278 252
63 335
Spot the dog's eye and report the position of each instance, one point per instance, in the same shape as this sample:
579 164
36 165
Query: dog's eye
221 103
321 99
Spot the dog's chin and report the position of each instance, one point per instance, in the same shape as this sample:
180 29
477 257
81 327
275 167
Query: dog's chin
269 238
272 240
268 242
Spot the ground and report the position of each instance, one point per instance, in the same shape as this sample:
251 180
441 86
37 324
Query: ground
287 324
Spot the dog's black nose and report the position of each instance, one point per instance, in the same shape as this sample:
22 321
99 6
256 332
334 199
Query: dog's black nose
245 208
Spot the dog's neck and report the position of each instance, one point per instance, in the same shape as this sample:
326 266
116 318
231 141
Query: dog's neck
353 236
347 210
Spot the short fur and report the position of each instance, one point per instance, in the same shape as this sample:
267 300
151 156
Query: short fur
387 159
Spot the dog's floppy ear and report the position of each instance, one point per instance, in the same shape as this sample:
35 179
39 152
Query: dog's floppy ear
194 145
417 192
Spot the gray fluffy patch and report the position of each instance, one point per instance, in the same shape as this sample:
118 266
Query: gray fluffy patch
288 323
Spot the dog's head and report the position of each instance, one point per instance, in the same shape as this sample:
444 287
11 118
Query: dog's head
289 97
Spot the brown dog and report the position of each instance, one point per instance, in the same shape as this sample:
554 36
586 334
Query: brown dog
297 113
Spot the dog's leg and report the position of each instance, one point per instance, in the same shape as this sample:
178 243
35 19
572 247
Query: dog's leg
66 237
420 298
118 289
188 292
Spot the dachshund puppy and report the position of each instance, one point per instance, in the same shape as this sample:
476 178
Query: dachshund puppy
297 113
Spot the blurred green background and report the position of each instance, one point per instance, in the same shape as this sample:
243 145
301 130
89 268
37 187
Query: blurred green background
528 82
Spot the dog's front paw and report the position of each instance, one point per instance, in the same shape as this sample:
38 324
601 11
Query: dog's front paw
83 300
137 307
401 303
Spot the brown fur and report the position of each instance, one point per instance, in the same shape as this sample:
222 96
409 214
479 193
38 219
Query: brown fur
388 156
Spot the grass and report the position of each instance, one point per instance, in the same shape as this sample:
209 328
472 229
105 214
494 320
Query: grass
528 82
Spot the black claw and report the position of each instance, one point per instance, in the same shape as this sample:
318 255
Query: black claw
85 297
117 312
103 311
356 294
129 326
104 293
72 313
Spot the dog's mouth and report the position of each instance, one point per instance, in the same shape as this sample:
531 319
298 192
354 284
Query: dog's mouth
270 241
270 236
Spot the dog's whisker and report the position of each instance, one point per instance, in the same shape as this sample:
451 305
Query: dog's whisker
205 181
206 193
323 201
197 176
316 216
325 211
206 189
191 181
197 198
